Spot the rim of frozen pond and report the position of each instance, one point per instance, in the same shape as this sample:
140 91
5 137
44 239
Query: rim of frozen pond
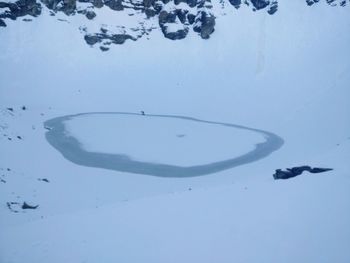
72 149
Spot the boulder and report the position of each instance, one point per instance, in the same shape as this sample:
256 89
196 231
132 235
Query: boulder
204 24
2 23
295 171
116 5
90 15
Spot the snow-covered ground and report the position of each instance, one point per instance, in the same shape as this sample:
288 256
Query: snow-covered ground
288 74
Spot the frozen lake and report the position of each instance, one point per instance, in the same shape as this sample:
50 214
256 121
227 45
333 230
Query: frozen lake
159 145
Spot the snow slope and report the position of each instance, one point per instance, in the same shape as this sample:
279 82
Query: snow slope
288 74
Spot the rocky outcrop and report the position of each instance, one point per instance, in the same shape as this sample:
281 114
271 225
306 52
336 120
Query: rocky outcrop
2 23
173 25
204 24
116 5
20 8
330 2
236 3
270 5
176 18
295 171
107 38
66 6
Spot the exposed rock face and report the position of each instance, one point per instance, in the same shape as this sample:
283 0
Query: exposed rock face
330 2
116 5
260 4
2 23
270 5
295 171
172 24
20 8
108 38
90 15
236 3
175 18
204 24
66 6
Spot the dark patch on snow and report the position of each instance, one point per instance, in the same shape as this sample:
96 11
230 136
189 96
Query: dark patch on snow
27 206
44 180
295 171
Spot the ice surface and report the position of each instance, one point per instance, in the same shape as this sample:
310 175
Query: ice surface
161 140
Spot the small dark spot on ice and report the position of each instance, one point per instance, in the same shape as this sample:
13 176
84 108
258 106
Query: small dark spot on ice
19 137
12 206
47 128
24 108
3 181
44 180
190 189
8 169
10 109
9 138
26 206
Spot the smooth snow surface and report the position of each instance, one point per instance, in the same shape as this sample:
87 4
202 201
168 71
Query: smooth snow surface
156 139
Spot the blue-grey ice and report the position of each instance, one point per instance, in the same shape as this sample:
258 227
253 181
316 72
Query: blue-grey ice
72 149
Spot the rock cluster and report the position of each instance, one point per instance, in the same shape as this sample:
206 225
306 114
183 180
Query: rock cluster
19 9
295 171
176 18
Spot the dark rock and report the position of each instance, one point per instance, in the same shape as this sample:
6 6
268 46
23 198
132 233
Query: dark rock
191 3
97 3
175 35
236 3
191 18
90 15
119 39
116 5
148 3
204 24
2 23
295 171
66 6
22 8
260 4
150 12
26 206
181 14
92 39
165 17
69 7
273 8
320 170
311 2
103 48
44 180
